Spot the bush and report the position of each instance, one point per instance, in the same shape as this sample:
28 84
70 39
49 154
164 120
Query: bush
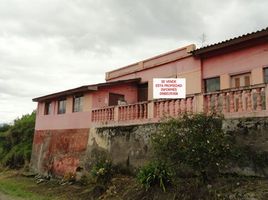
102 171
155 173
193 140
16 142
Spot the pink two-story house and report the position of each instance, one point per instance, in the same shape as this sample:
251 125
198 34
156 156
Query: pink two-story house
229 77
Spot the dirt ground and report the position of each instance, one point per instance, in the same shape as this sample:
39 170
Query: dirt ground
126 188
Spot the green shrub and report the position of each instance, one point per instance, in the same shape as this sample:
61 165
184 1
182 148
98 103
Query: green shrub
193 140
155 173
102 171
16 142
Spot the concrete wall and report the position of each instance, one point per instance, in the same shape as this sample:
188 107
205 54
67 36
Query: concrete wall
58 151
130 145
249 131
126 145
62 151
253 133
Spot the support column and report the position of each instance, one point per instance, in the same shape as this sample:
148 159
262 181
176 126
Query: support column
266 96
150 107
116 113
198 103
150 89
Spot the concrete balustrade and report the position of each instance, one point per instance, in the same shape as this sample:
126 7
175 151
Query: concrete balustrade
237 102
133 112
103 114
173 107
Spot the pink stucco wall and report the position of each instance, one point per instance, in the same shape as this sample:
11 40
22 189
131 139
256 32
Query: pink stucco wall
166 70
71 120
236 61
63 121
100 98
187 67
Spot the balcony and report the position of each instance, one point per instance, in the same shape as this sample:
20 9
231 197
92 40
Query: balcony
238 102
232 103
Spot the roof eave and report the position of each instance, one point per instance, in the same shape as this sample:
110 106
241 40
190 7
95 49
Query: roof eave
65 93
83 89
228 43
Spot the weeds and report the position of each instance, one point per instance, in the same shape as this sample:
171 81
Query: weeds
102 171
155 173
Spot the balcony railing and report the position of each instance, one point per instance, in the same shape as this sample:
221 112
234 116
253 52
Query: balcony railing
102 114
133 111
173 107
238 102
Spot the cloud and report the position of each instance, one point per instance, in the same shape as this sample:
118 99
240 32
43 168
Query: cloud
52 45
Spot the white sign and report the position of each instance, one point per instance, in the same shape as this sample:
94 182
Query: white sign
169 88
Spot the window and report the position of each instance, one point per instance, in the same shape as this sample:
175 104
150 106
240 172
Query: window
48 108
240 80
212 84
247 80
237 82
265 71
62 106
78 103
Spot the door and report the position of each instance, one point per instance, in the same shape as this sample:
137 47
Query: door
143 92
114 98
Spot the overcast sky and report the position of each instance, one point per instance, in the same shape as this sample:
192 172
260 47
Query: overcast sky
52 45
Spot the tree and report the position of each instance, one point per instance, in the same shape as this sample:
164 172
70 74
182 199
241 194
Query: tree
16 142
193 140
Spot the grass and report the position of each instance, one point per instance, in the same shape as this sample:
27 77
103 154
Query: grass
15 186
17 189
